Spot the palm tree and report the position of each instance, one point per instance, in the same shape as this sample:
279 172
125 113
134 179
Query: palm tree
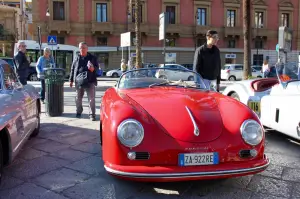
247 47
137 18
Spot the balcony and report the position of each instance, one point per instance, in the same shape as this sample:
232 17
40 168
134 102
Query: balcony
233 31
102 27
7 38
173 29
143 27
261 32
59 26
202 30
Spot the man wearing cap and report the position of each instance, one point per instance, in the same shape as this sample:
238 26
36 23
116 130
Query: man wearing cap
207 61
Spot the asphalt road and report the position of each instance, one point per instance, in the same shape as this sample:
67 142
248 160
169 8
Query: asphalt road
64 161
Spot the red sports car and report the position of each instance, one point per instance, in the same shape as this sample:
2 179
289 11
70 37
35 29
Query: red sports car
155 129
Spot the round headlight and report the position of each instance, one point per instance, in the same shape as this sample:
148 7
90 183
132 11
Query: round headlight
130 133
252 132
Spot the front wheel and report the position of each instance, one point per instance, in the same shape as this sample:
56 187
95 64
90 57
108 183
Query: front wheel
115 75
232 78
191 78
33 77
235 96
36 131
1 161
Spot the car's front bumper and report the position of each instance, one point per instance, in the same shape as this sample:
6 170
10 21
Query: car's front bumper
176 173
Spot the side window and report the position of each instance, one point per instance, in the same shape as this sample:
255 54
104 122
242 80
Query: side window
238 67
9 77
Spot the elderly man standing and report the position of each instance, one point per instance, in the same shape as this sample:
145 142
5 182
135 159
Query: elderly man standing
22 63
84 75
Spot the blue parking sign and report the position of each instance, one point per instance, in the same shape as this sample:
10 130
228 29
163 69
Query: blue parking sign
52 40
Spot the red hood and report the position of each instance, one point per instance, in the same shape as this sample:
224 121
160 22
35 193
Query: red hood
168 107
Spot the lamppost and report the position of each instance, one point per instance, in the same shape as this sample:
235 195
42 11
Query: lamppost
127 28
195 30
257 36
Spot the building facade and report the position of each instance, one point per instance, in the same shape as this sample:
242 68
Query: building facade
11 29
100 23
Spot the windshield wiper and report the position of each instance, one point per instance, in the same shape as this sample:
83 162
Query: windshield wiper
160 84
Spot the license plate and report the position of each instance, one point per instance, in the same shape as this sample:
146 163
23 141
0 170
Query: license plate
191 159
255 106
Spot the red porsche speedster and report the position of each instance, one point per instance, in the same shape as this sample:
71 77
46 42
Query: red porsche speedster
155 129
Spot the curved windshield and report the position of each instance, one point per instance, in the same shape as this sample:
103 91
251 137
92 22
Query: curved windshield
154 77
287 72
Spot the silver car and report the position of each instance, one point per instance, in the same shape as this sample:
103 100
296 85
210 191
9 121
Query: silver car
19 114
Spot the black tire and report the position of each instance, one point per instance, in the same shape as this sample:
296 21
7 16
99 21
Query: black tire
36 131
1 161
190 78
235 96
259 76
100 133
232 78
33 77
163 77
115 75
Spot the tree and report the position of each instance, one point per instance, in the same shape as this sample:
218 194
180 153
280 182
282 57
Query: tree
247 38
137 17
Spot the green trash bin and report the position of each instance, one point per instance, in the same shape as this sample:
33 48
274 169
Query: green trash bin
54 91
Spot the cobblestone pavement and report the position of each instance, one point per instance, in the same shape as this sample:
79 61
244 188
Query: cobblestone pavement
64 161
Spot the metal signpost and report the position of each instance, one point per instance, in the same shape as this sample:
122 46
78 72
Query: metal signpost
126 42
162 32
40 39
52 40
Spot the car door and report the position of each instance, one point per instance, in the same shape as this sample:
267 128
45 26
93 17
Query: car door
238 71
18 99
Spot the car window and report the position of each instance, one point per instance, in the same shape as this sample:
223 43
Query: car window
238 67
9 61
9 76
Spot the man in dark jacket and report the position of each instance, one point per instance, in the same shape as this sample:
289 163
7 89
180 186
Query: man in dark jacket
207 61
22 63
85 62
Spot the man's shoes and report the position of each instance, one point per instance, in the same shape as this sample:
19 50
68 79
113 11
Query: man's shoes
78 115
43 101
93 118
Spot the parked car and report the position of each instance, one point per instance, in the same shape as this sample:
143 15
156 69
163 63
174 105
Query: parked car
20 114
114 73
173 75
154 129
233 72
32 74
275 100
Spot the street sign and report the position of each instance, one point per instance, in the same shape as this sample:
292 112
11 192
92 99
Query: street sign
126 39
162 26
52 40
277 47
285 39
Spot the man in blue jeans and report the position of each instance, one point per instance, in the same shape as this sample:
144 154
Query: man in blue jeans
45 61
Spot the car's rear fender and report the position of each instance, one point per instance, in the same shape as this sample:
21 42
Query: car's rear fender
243 91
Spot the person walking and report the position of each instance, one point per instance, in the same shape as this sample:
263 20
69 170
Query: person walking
83 73
22 63
123 66
207 61
265 69
44 61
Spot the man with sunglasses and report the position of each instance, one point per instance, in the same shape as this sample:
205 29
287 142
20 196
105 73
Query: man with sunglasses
207 61
22 63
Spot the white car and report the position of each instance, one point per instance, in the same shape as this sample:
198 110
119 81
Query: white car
275 100
180 73
233 72
114 73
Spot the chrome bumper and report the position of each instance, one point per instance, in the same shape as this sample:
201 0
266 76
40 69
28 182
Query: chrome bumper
186 174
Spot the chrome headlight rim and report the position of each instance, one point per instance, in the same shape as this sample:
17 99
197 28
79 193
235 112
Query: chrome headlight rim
244 125
120 137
